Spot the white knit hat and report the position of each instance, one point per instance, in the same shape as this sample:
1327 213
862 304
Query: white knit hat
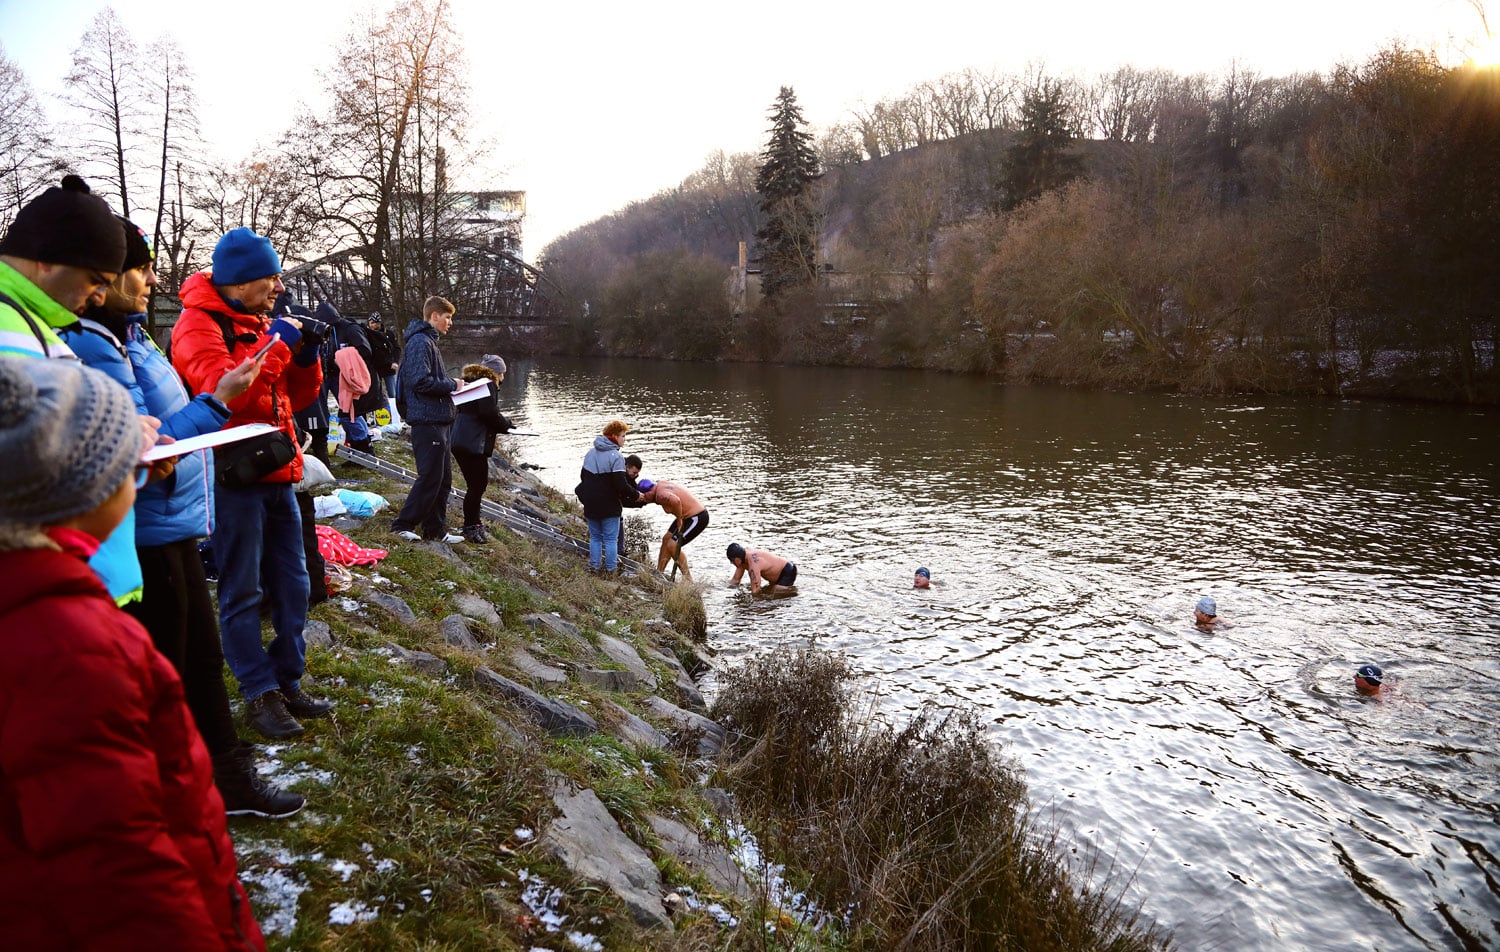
69 436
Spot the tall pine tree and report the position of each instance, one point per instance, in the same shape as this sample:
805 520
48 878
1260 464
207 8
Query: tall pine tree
788 236
1042 157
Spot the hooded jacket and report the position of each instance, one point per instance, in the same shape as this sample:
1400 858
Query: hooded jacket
476 422
602 481
426 388
112 834
346 334
30 320
200 354
115 561
181 506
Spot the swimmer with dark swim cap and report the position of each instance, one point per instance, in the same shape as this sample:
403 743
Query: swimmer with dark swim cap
923 578
765 568
1368 678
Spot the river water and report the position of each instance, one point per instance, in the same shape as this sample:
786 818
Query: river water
1233 778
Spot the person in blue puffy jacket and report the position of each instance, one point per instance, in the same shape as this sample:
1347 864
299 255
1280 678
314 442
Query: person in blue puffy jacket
170 517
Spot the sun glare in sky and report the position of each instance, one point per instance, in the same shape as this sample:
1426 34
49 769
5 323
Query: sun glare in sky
1486 52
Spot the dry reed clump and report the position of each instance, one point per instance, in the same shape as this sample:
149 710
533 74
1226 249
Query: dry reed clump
683 606
922 833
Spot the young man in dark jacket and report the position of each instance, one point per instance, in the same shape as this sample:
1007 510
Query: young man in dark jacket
428 394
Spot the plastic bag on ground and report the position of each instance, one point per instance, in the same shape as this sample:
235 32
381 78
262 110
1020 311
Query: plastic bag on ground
325 507
362 504
315 476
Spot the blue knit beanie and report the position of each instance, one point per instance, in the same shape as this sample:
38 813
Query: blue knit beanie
241 256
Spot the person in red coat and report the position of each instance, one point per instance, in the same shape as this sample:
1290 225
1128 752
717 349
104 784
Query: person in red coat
112 835
258 539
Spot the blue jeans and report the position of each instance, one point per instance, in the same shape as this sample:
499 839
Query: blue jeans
604 534
390 385
355 428
258 548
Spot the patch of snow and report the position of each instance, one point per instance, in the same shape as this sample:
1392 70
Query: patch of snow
542 900
524 833
350 606
275 889
384 865
349 912
585 942
344 868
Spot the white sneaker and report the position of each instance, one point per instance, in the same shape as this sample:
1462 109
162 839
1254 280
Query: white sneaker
452 538
408 535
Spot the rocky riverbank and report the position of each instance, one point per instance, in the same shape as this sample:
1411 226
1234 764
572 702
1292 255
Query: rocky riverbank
515 761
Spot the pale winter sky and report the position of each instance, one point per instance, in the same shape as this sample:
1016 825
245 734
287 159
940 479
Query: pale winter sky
592 105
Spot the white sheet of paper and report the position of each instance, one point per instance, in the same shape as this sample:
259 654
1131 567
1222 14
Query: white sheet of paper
472 391
206 440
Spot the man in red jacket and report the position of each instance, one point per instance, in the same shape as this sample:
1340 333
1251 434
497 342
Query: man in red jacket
112 835
259 527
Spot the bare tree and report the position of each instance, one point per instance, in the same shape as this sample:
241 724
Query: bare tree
27 165
106 88
387 73
176 109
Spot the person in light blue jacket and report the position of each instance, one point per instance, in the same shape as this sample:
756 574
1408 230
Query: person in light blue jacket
170 516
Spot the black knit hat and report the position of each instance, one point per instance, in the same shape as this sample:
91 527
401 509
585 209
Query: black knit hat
137 246
67 225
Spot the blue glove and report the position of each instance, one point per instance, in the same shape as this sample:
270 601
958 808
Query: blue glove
290 334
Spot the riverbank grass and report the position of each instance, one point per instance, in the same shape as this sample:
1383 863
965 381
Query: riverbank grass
917 837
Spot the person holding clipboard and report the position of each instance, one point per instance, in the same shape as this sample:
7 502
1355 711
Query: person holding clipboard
475 425
426 403
171 516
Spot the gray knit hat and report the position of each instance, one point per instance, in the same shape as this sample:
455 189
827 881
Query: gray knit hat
69 437
494 362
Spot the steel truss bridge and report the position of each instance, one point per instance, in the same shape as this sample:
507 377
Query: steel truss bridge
491 288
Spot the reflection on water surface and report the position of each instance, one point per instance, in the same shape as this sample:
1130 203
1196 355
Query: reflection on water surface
1258 802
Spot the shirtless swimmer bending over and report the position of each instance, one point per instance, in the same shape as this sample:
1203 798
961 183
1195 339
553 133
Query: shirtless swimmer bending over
765 568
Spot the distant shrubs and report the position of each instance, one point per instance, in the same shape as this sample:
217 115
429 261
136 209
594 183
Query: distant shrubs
922 834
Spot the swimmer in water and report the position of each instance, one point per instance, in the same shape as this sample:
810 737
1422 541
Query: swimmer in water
1368 678
1206 614
765 568
923 578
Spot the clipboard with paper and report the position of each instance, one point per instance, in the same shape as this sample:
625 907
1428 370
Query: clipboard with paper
206 441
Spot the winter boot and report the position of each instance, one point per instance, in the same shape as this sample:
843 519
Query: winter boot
303 705
246 792
268 715
475 534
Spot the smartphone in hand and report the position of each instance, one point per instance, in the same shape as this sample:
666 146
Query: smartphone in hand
266 347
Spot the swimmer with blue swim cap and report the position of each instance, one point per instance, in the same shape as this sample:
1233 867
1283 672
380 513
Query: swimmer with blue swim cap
1368 678
1206 614
923 578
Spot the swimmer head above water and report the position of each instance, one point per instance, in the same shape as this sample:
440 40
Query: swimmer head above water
1368 678
923 578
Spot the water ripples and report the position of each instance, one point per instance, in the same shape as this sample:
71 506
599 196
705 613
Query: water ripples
1252 800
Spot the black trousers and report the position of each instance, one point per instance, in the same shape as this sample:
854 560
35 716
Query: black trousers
476 470
426 508
178 611
317 569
